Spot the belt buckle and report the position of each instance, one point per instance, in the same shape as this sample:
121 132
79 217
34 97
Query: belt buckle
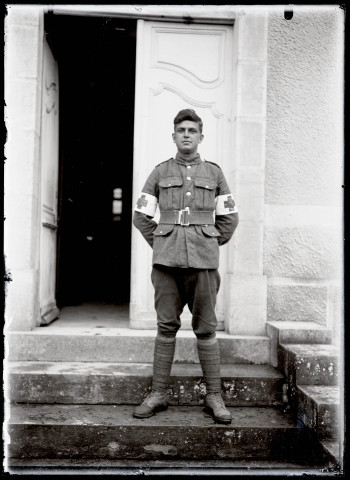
177 217
184 220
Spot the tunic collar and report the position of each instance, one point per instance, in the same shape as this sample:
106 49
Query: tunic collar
188 160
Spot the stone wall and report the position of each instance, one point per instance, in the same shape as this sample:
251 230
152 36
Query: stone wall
304 169
23 63
287 176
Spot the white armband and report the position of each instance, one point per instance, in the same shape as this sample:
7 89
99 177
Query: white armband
225 205
147 204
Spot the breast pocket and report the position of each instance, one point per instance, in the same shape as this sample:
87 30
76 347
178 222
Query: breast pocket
170 193
204 194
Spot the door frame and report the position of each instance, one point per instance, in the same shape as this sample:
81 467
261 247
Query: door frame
25 34
207 91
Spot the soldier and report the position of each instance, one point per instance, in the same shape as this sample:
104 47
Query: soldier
197 215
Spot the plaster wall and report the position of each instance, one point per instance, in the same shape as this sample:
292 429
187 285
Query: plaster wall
304 166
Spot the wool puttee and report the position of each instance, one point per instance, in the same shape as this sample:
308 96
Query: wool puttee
209 357
164 350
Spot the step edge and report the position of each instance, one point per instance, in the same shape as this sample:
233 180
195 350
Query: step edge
172 412
299 325
39 332
333 349
313 397
178 369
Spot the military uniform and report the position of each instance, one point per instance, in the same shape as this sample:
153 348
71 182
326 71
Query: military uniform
177 185
195 206
197 215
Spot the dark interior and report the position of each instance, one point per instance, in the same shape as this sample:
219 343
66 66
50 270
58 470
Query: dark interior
96 61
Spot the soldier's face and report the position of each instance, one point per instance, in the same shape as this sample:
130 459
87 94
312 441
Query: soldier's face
187 136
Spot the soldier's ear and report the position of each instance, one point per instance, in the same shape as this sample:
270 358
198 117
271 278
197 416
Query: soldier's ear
173 135
201 138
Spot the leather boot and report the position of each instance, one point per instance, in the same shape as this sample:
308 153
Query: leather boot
209 356
155 401
164 350
214 405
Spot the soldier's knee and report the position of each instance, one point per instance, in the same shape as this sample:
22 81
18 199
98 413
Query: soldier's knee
205 336
167 331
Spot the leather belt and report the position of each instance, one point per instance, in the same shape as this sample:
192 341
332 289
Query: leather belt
186 217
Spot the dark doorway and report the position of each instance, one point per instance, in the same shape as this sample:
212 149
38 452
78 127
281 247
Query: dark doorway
96 60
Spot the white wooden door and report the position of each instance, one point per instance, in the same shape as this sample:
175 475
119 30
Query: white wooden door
177 66
49 187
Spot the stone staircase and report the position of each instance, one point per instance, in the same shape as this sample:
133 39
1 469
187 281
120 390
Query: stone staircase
72 394
311 364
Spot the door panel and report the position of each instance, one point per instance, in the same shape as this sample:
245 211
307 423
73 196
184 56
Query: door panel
178 66
49 187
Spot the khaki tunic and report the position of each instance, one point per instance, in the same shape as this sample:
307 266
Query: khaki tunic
174 185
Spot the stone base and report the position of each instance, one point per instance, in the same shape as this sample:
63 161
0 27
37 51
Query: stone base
245 304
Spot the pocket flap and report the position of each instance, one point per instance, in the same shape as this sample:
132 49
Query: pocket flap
162 230
210 231
205 183
170 182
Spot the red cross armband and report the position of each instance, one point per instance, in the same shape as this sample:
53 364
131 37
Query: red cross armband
146 204
225 205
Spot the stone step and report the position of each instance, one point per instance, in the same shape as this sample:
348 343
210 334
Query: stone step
309 364
165 467
128 383
300 332
93 344
319 410
111 432
334 454
297 333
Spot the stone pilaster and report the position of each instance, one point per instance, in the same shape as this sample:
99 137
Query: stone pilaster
23 64
246 291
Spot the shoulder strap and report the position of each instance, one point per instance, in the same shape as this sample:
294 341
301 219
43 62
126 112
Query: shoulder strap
207 161
161 163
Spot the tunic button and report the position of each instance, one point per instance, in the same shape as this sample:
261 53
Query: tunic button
188 166
207 186
188 193
169 185
161 231
188 178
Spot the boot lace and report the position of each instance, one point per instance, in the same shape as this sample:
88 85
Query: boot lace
220 405
153 398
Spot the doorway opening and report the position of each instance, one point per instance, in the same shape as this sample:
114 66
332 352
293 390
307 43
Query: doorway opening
96 59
